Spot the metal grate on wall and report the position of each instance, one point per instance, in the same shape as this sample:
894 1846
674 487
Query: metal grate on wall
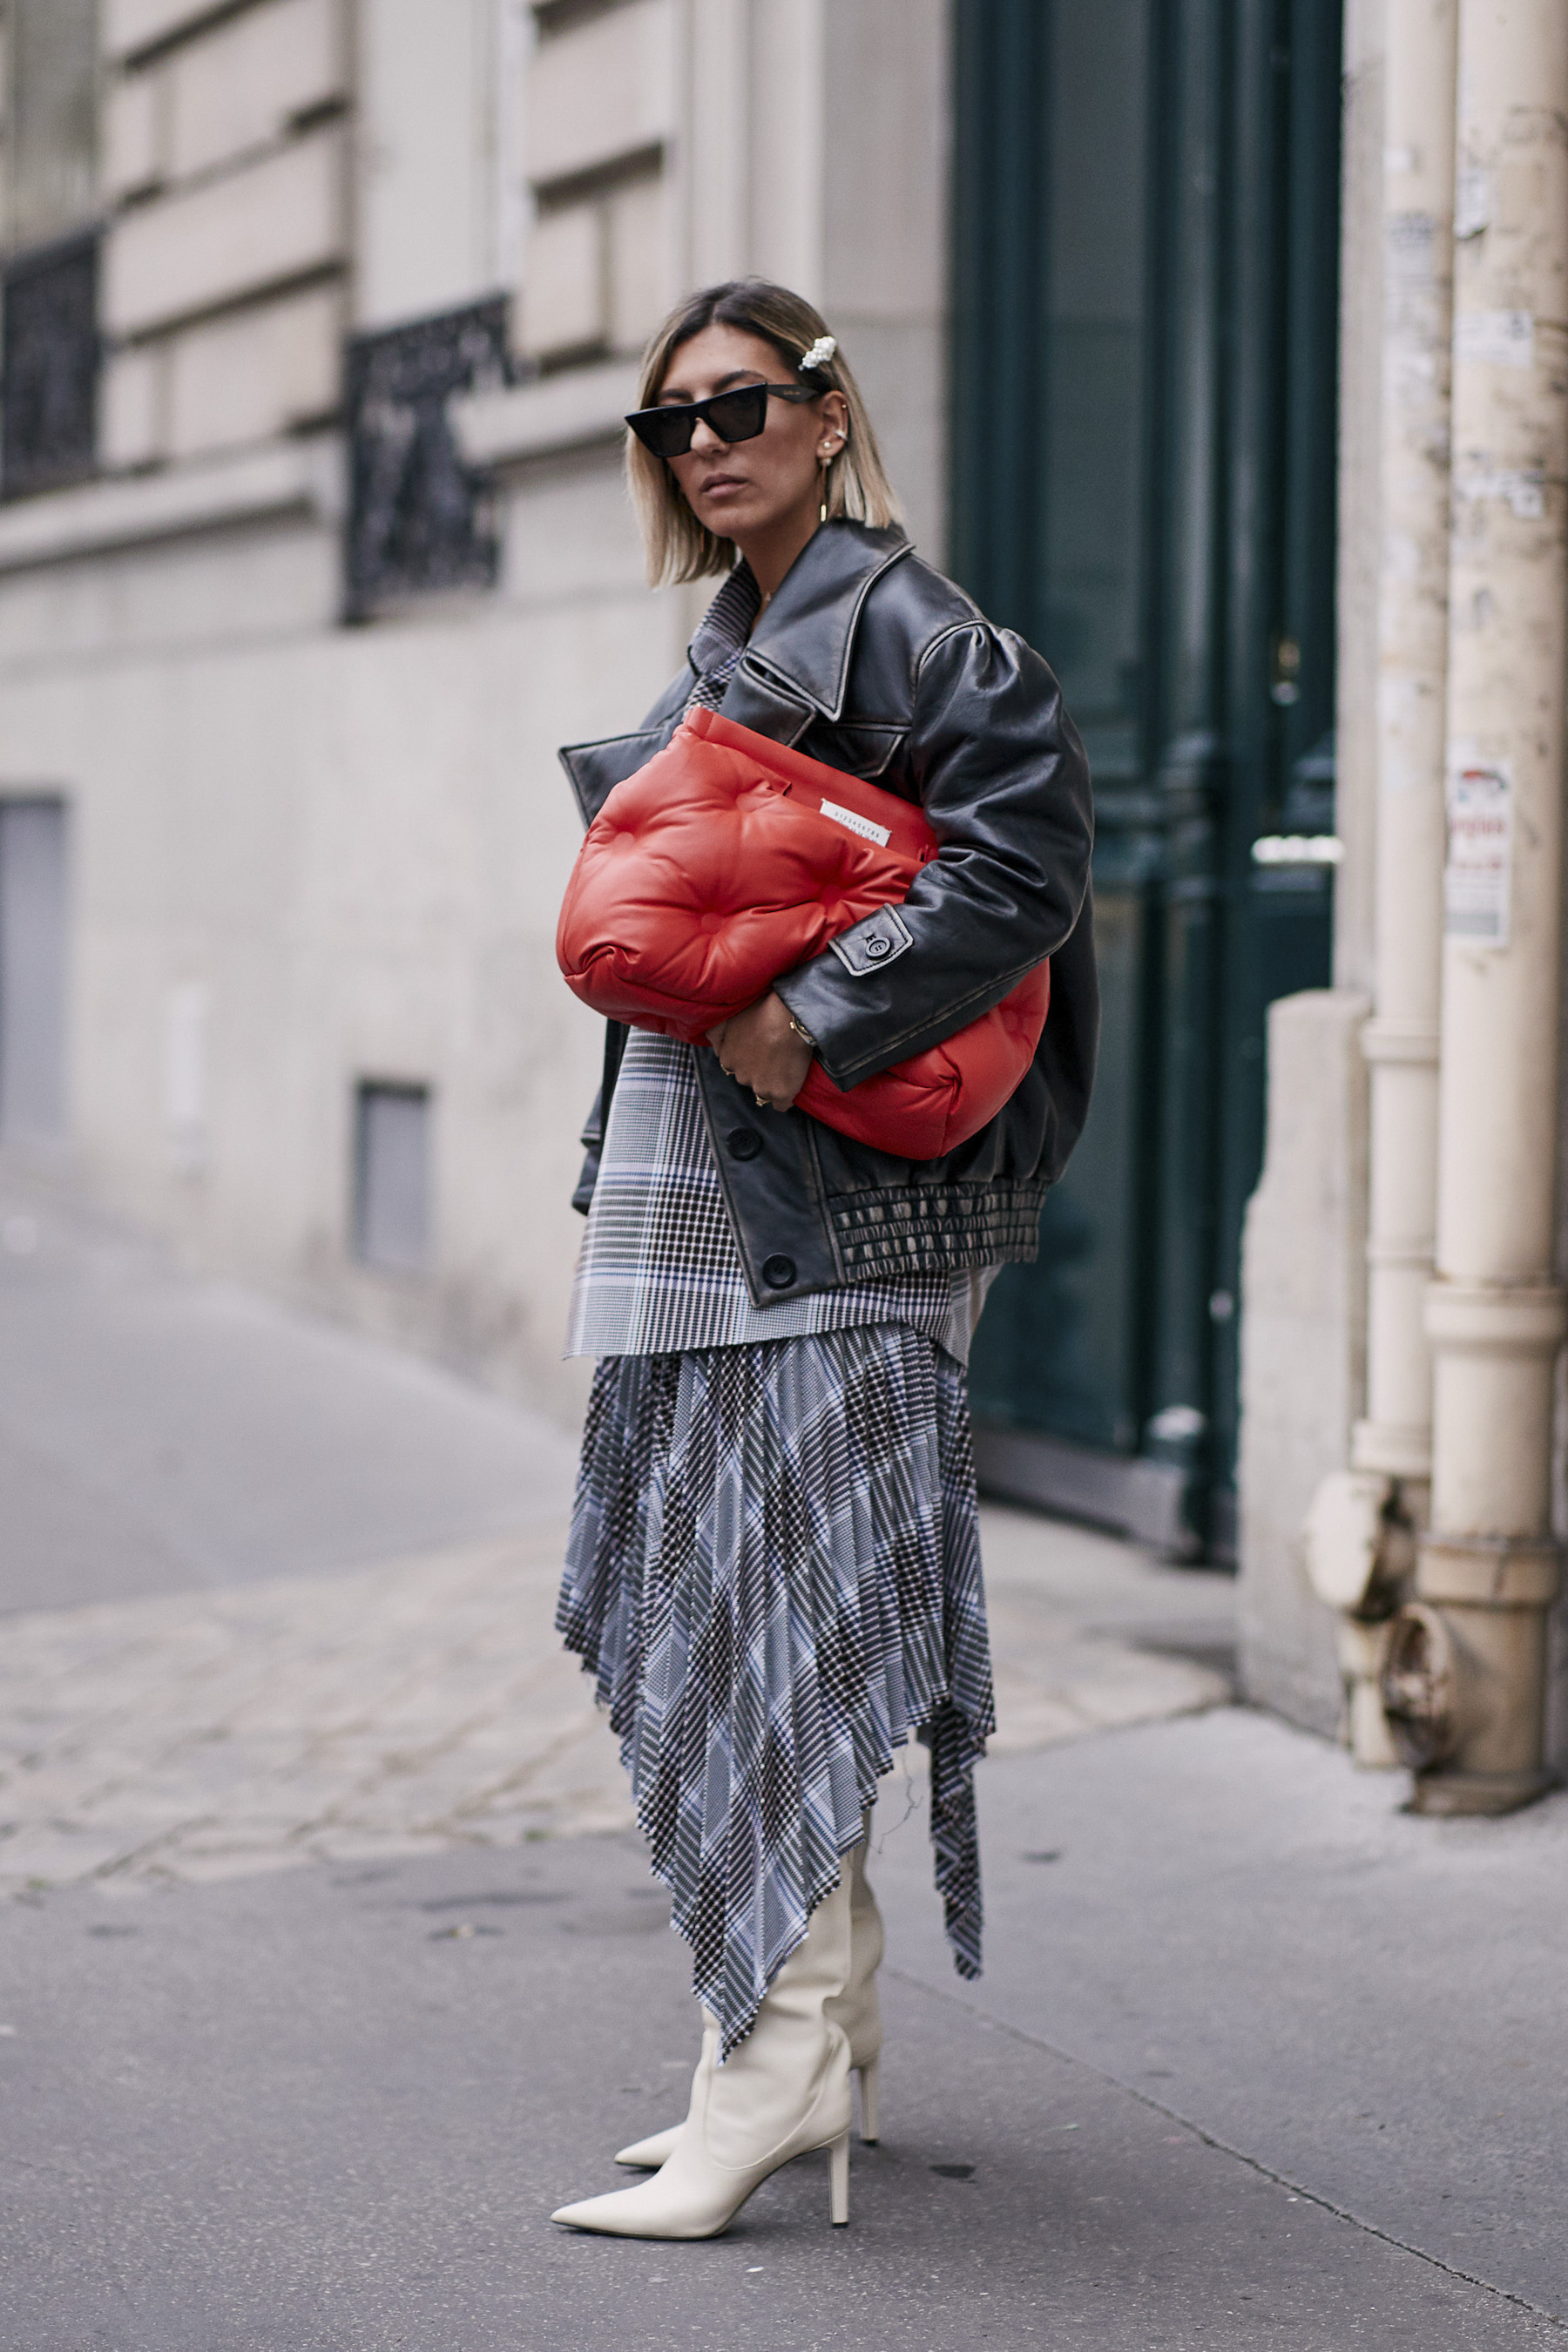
419 519
50 352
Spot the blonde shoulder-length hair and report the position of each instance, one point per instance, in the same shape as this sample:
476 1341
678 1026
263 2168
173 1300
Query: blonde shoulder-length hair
678 546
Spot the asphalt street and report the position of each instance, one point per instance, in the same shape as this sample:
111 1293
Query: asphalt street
162 1433
1256 2059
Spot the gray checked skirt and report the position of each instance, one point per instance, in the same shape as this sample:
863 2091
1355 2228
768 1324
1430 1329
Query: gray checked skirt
773 1575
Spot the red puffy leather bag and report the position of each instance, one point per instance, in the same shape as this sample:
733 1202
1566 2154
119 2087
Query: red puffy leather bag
728 860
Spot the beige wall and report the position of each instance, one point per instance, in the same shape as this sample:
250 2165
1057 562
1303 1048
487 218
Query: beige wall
1304 1343
225 148
354 843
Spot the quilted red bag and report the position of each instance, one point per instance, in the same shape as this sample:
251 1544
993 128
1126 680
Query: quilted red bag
728 860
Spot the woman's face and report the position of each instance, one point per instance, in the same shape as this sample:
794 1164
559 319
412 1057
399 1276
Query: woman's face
743 489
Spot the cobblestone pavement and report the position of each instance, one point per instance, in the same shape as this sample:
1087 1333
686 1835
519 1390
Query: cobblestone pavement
390 1710
420 1705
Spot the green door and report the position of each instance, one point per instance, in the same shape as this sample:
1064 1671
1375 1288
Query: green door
1145 262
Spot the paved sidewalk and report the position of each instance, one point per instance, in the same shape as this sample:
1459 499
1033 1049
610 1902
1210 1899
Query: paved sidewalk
1241 2071
159 1428
1228 1922
162 1433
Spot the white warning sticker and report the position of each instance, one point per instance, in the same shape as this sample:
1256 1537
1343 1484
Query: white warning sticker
1496 338
1476 880
860 824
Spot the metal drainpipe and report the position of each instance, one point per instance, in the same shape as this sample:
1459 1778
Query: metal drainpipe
1465 1678
1359 1534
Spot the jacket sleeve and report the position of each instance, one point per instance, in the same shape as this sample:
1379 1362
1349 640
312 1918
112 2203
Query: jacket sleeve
1004 782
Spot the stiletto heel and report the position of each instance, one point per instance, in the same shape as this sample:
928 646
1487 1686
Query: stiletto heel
868 2073
838 2181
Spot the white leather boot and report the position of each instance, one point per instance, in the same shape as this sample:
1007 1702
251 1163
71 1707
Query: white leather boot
856 2010
783 2092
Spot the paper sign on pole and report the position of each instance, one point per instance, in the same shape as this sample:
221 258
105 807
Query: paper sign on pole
1480 853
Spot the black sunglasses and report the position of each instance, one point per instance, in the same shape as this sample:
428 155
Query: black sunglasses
738 416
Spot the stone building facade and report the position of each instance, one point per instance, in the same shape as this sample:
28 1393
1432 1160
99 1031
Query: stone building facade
320 317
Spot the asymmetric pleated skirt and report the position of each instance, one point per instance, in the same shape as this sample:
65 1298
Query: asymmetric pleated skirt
773 1575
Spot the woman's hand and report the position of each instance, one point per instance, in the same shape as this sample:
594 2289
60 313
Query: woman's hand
761 1049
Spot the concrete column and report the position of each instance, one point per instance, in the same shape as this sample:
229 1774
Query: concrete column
1466 1672
1400 1041
1359 1532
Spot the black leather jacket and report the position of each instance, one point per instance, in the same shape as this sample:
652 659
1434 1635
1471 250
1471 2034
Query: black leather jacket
869 659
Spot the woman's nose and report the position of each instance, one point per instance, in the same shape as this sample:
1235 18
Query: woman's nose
704 440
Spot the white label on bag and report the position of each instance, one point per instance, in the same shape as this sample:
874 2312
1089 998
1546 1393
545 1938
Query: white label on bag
860 824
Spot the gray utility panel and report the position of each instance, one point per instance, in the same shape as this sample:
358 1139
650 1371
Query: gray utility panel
392 1175
32 968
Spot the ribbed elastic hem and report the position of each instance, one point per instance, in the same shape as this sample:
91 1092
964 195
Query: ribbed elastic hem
936 1229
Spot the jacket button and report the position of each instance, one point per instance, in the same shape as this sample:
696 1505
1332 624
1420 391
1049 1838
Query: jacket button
743 1143
877 946
778 1273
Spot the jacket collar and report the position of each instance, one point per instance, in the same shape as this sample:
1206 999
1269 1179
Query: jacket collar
806 636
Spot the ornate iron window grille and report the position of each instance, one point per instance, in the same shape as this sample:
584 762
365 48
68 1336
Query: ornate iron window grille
419 519
49 354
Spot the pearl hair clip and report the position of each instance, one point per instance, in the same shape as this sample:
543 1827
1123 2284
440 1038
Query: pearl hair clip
821 352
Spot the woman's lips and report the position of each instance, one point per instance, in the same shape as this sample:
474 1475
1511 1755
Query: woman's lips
718 486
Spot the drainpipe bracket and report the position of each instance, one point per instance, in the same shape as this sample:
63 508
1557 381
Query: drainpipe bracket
1488 1318
1488 1572
1384 1041
1398 1451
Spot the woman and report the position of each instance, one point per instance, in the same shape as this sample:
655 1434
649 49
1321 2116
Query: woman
773 1568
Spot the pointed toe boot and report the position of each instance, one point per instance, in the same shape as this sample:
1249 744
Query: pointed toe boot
782 2094
857 2008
